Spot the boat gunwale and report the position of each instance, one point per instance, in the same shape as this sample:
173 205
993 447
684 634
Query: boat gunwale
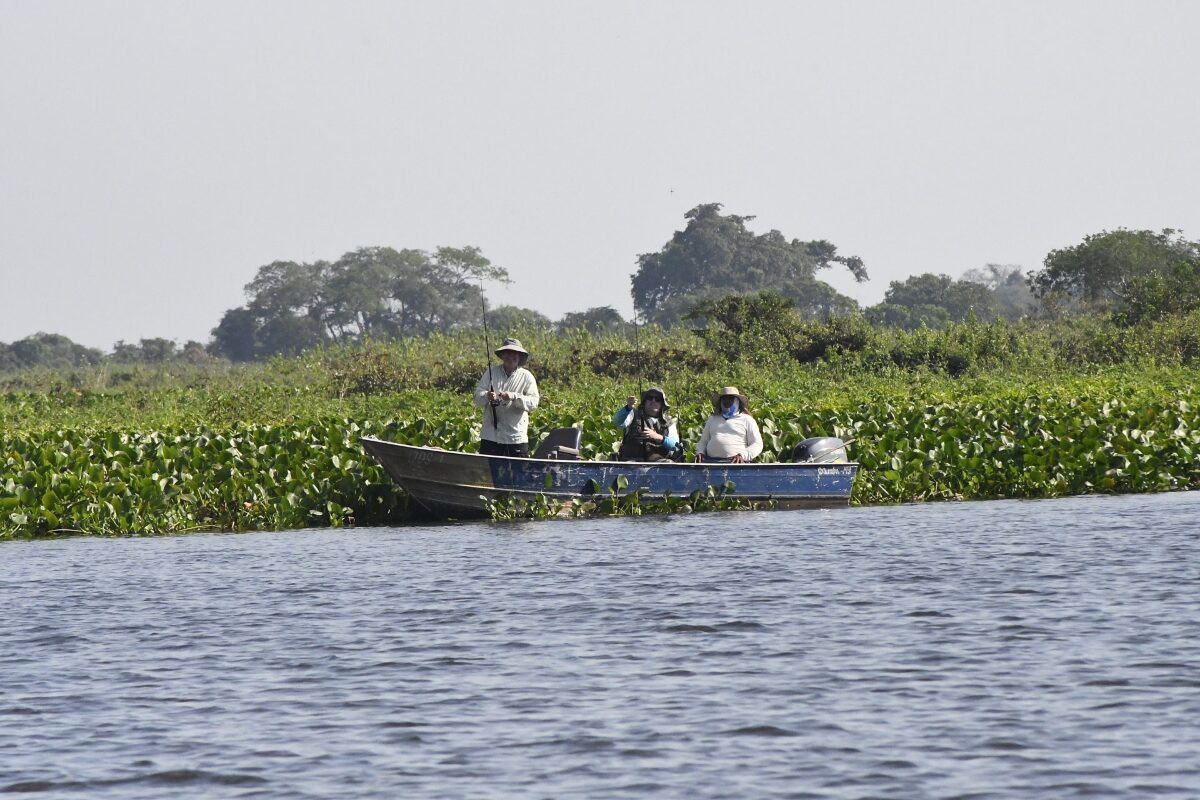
669 464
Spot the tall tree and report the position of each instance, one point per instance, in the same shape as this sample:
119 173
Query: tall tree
356 297
371 291
287 288
716 255
289 335
236 335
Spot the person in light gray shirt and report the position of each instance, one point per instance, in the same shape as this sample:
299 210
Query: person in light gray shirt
507 392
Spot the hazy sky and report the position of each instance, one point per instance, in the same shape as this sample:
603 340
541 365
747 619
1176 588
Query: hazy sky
154 154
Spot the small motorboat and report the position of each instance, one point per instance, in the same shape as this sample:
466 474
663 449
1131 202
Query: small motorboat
457 485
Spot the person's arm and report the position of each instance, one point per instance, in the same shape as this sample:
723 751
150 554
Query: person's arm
527 398
622 417
754 442
671 439
482 388
705 435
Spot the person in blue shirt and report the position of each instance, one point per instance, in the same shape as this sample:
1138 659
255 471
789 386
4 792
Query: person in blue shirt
650 434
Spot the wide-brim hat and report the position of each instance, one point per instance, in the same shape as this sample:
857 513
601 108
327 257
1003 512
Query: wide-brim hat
730 391
656 390
515 346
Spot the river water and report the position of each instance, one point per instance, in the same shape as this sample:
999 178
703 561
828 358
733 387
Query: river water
954 650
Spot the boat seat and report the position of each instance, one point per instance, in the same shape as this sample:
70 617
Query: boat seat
560 443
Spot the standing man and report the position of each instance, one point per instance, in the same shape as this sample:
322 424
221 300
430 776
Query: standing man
507 393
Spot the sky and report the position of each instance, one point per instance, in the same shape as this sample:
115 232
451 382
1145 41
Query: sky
155 153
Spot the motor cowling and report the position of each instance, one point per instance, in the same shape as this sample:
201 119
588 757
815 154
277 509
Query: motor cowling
820 450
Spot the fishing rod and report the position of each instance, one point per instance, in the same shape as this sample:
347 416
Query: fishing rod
637 346
487 355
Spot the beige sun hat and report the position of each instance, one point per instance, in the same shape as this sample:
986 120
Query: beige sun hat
730 391
515 346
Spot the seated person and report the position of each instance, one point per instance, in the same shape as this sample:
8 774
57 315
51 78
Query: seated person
730 434
650 435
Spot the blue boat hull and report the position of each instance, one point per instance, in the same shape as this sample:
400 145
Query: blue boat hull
458 485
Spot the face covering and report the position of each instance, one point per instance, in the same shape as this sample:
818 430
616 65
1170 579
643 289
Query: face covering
731 412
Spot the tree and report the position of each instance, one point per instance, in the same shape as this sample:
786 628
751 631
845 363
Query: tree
908 317
930 300
1011 296
502 319
289 335
147 351
236 335
193 352
716 253
356 297
158 350
369 292
599 319
287 288
817 300
456 278
741 325
50 350
1136 274
125 353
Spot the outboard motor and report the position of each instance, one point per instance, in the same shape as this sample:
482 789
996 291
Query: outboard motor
820 450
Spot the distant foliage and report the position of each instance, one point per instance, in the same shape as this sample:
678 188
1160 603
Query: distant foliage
738 325
654 365
1135 275
596 320
716 255
933 301
1011 296
372 292
763 329
159 351
515 321
48 351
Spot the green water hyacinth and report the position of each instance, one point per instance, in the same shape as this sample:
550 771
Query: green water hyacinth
247 477
1083 437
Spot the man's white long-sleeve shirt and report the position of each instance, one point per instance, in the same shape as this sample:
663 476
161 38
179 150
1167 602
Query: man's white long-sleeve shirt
512 416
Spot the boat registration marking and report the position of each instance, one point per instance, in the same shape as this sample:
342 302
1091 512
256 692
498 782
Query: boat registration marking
823 471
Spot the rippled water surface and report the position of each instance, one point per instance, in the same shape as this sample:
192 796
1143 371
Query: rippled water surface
1002 649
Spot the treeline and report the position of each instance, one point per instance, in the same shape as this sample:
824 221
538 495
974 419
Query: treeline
375 293
54 351
1123 277
766 329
